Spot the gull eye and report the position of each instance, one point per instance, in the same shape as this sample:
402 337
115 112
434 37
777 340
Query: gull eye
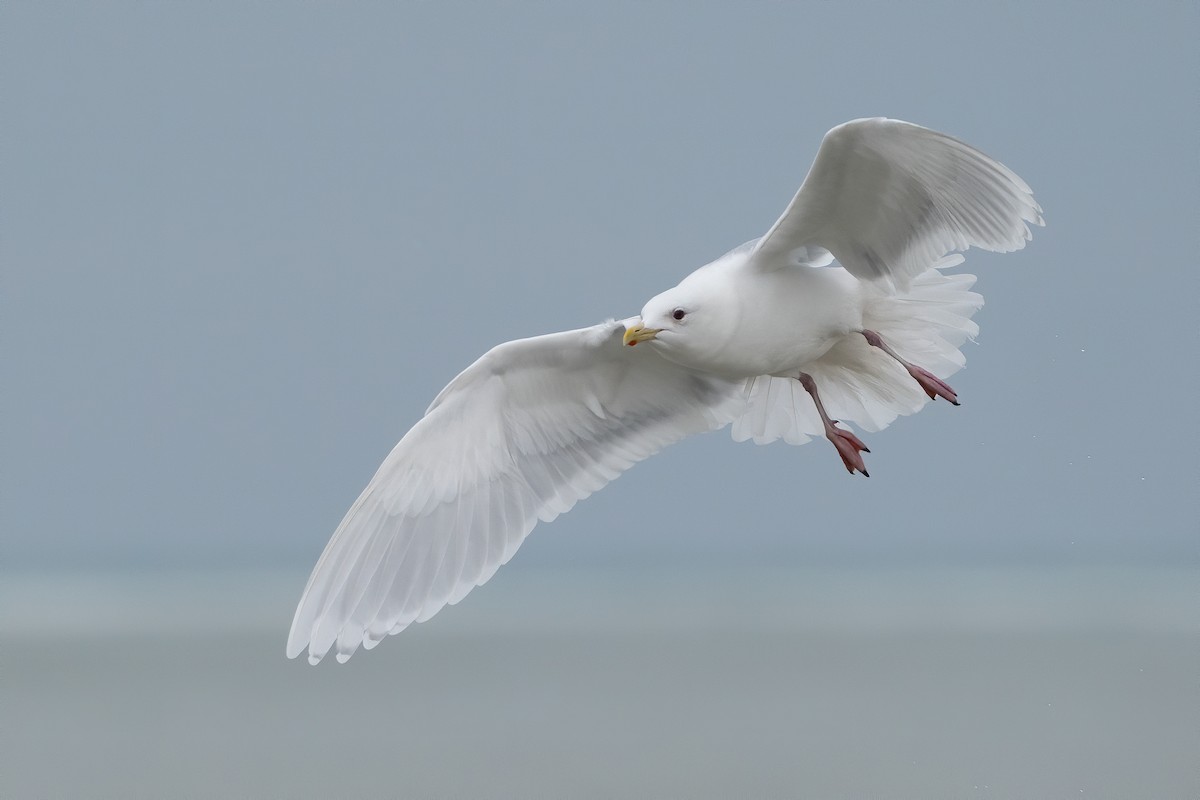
679 313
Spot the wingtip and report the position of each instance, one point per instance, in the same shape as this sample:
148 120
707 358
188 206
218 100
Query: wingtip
294 647
294 652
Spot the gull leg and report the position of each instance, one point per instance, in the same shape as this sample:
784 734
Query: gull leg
848 445
934 386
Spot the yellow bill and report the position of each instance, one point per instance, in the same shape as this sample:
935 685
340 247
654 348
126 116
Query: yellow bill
639 333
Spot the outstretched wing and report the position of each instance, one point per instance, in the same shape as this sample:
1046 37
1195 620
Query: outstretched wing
525 432
890 198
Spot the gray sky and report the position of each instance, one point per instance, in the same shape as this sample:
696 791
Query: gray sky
246 244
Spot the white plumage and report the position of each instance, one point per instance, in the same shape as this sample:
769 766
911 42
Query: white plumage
520 436
890 198
538 424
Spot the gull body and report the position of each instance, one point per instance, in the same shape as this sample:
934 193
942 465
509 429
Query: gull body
739 323
841 310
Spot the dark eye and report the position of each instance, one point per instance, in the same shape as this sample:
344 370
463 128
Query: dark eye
679 313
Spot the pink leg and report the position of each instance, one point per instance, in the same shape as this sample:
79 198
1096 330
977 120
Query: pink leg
848 445
934 386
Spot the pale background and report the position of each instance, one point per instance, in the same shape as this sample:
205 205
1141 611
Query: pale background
244 245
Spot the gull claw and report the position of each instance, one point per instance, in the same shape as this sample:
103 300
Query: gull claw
848 446
934 386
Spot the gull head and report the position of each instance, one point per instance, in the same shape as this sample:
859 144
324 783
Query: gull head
688 324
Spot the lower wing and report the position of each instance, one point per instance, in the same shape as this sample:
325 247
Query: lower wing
529 429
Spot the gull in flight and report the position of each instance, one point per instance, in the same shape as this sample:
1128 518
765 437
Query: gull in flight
838 314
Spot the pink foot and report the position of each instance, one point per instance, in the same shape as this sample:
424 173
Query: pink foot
934 386
848 446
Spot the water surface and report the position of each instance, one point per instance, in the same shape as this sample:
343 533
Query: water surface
940 682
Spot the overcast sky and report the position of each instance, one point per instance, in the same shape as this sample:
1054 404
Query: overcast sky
244 246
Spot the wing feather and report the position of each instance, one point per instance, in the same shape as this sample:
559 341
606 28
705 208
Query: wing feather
523 434
890 198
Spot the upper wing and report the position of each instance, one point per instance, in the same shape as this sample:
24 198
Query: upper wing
890 198
519 436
